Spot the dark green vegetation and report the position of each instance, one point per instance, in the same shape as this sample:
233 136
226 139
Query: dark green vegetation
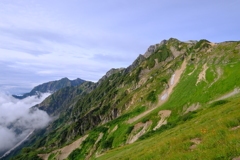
62 99
161 54
28 153
124 108
51 87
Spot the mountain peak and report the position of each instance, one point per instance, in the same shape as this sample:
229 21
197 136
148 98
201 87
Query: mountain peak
65 78
51 86
152 48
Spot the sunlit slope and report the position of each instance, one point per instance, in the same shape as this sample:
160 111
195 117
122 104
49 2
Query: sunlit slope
201 125
166 103
186 113
210 133
203 82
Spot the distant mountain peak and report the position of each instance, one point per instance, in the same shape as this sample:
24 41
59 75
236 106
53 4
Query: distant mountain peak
51 86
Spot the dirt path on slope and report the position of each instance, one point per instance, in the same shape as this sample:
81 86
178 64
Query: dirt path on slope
165 95
193 107
213 44
234 128
65 151
193 71
95 146
202 75
163 114
43 156
140 115
219 72
114 129
238 158
135 134
235 91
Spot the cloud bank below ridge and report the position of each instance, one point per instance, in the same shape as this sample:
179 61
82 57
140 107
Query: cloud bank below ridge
17 121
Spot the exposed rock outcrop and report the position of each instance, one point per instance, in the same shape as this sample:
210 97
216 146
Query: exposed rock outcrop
196 142
175 52
138 61
109 73
191 41
138 130
151 49
163 114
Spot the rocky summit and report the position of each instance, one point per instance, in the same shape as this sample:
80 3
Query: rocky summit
180 100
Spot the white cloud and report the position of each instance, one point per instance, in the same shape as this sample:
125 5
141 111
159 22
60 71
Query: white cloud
15 114
45 72
8 138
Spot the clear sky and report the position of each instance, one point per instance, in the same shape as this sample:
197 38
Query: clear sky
45 40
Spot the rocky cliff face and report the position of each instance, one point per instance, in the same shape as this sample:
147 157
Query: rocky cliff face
151 49
137 62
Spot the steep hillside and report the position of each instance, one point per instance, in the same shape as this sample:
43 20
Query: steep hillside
56 104
208 133
65 98
180 100
51 87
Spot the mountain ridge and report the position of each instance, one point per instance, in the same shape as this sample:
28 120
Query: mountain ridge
51 86
146 94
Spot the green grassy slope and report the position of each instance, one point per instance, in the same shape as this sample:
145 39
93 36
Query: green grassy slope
213 126
197 114
185 94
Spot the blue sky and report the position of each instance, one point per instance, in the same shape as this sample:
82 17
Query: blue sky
45 40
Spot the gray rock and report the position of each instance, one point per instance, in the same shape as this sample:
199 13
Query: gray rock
163 42
112 71
108 74
151 49
175 52
191 41
138 61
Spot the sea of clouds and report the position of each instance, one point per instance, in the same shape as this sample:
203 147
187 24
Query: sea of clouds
16 119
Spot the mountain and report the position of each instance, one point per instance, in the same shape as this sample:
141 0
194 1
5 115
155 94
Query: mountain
180 100
51 86
65 98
